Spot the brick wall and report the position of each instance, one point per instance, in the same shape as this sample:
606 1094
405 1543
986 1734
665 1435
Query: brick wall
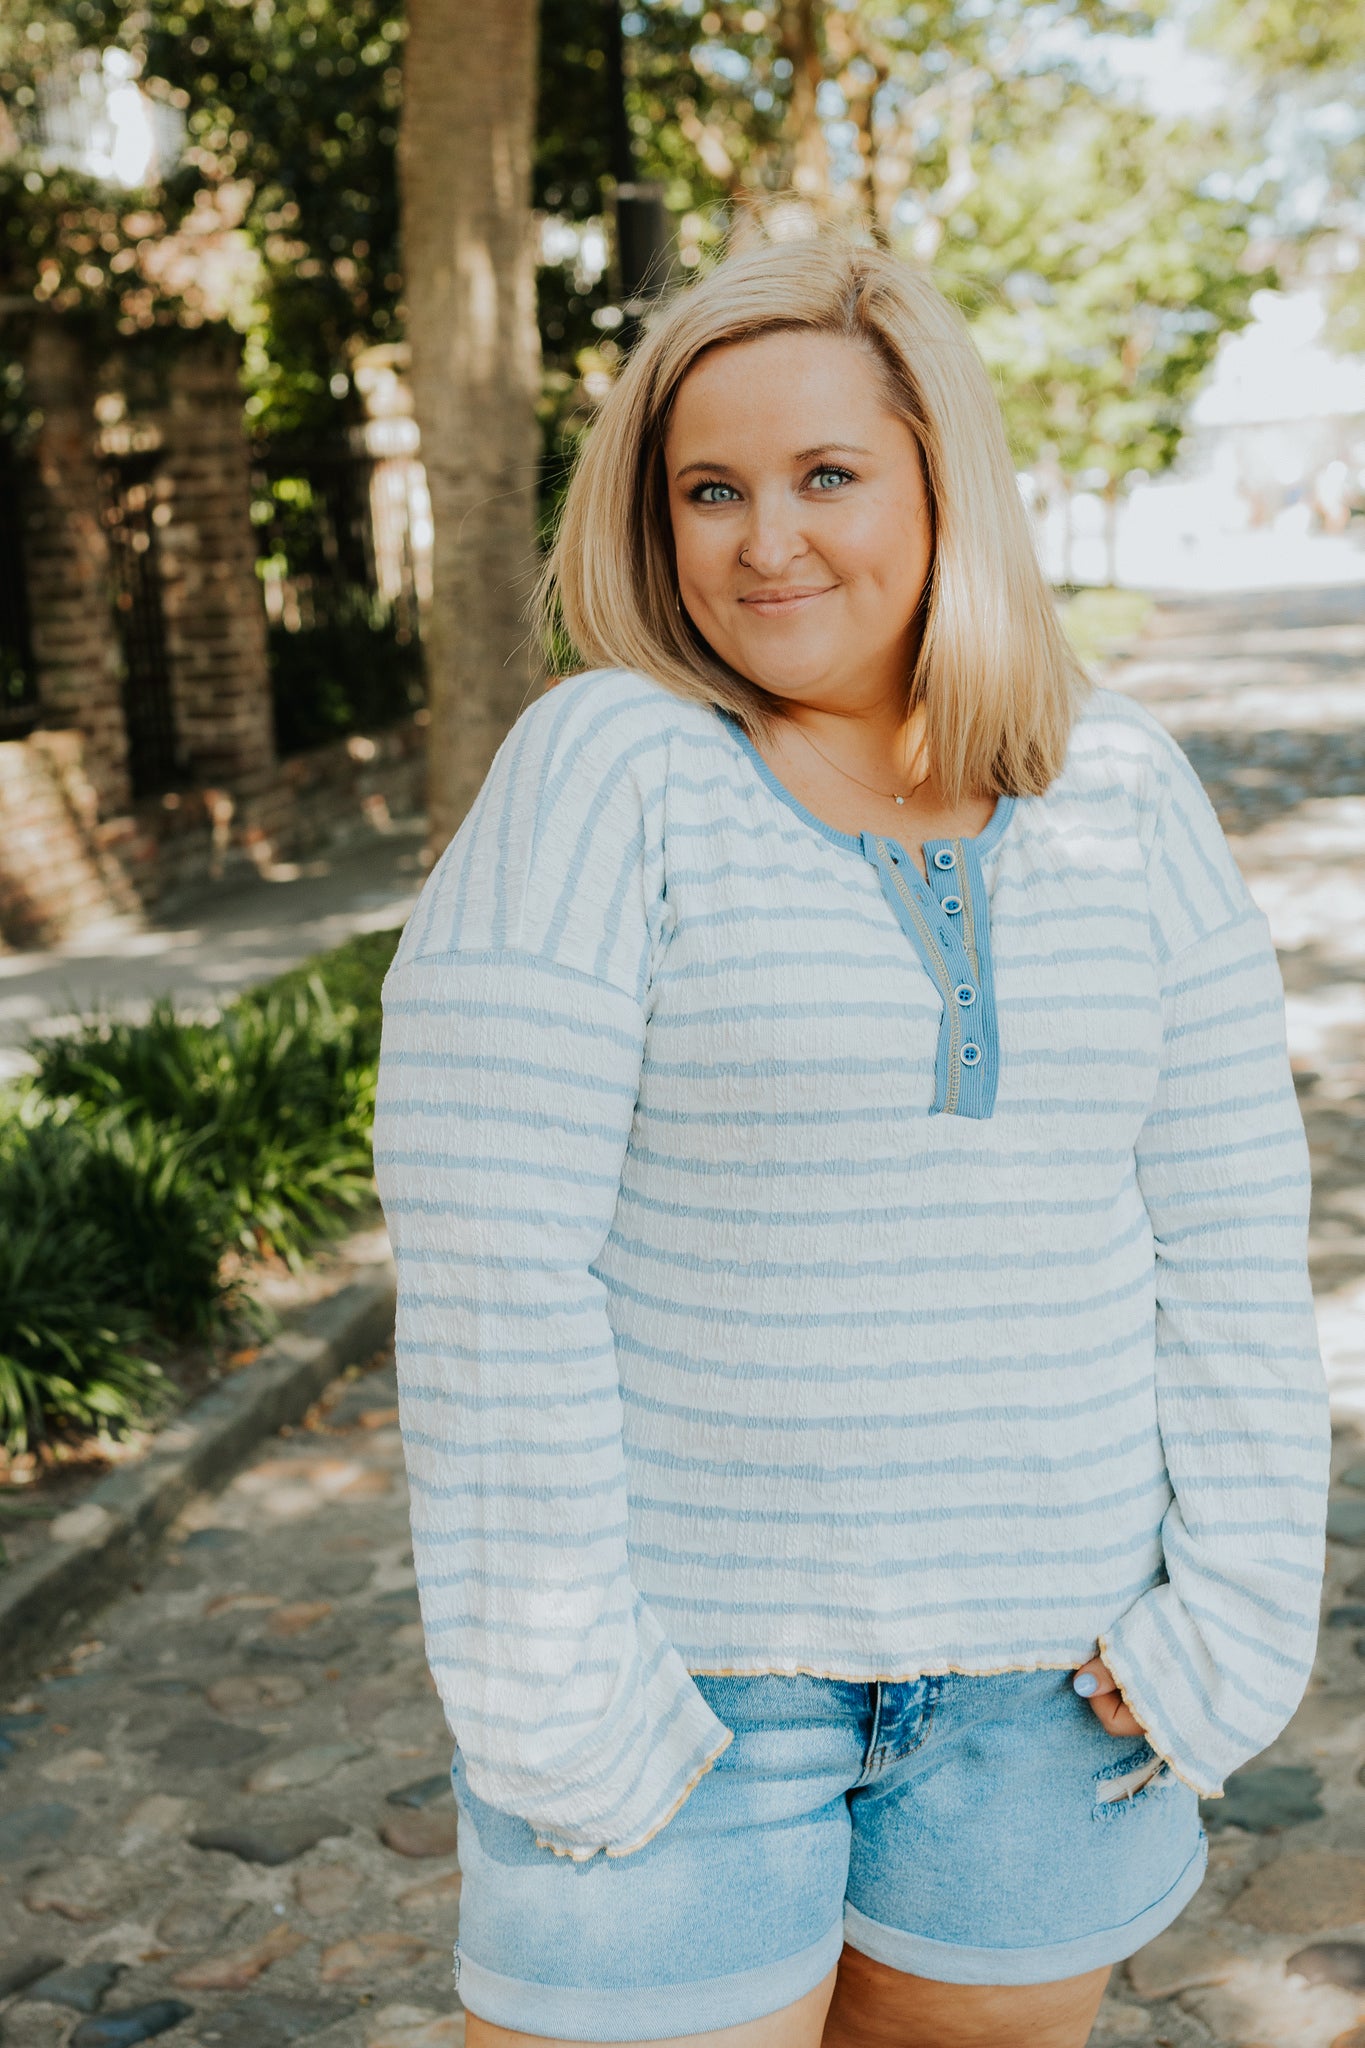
213 605
60 871
77 849
63 869
75 643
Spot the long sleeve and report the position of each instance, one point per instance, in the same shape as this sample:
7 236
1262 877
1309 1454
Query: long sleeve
1214 1661
513 1036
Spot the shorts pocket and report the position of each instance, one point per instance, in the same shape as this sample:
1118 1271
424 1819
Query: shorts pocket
1134 1779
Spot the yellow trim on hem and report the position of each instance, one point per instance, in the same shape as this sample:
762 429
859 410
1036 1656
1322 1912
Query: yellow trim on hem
688 1789
875 1677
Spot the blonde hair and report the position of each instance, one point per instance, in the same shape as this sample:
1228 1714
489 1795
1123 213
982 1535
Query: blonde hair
997 679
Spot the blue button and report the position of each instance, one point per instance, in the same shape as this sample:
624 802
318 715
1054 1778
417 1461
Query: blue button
970 1055
965 994
952 904
944 859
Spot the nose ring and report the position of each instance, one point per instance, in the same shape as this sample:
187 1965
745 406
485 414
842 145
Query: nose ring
742 553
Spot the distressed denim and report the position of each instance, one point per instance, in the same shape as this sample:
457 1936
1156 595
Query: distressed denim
969 1829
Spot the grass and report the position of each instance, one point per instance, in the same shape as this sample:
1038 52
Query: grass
1097 622
144 1166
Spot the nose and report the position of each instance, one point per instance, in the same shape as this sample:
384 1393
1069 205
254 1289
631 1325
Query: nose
773 539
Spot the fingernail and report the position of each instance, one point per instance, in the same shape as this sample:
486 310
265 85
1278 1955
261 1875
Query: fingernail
1085 1683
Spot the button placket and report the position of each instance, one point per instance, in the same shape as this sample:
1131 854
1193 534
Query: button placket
946 868
944 920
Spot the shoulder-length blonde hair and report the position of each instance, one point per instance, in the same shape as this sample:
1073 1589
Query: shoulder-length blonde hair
995 674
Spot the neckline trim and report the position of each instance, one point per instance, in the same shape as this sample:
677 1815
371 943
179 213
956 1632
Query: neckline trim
981 842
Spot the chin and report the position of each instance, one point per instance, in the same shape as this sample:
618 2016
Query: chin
790 672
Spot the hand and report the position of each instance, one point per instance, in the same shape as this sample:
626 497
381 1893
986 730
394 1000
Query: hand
1105 1699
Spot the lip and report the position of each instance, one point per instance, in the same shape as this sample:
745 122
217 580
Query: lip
780 603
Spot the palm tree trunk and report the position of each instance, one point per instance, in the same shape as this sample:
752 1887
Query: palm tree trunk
465 166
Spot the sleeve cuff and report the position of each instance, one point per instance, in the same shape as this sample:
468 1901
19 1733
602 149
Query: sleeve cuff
677 1762
1142 1670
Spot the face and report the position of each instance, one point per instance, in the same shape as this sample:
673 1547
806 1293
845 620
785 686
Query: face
801 518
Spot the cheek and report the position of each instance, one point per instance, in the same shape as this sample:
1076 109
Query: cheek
704 557
693 546
883 549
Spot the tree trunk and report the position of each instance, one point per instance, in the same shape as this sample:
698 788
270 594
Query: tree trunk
465 167
1111 534
798 26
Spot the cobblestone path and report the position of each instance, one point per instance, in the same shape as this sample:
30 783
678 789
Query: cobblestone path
226 1822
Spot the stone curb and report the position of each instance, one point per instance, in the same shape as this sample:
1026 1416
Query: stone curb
44 1600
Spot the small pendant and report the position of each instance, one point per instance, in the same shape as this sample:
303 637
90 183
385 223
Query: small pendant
900 799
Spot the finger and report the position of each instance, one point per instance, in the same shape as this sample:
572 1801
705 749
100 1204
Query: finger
1093 1678
1097 1687
1116 1718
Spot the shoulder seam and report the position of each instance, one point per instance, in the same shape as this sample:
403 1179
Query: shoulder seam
492 956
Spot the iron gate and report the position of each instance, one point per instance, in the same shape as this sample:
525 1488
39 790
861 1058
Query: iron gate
154 756
18 679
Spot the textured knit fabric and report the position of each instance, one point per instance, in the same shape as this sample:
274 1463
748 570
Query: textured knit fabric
720 1350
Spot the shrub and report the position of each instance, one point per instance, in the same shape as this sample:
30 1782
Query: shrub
276 1097
350 974
70 1338
144 1184
141 1153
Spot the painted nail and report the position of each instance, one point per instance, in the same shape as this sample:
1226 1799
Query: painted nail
1085 1683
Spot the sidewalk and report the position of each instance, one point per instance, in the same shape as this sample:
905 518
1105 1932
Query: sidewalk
208 951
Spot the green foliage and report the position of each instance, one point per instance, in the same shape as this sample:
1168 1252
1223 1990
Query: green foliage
67 241
348 663
1282 35
1307 60
71 1337
145 1186
291 108
1098 251
142 1155
350 976
275 1097
1099 274
295 102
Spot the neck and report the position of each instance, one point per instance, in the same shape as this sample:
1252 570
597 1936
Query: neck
878 740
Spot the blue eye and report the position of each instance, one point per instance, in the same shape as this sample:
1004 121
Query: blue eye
818 477
702 494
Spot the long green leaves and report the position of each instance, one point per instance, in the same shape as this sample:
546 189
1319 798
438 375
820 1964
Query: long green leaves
71 1335
269 1106
146 1163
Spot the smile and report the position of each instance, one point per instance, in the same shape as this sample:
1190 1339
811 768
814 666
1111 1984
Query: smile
780 603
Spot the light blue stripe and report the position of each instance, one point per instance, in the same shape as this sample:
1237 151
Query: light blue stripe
910 1266
925 1418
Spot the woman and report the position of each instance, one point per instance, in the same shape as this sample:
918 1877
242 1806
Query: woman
867 1442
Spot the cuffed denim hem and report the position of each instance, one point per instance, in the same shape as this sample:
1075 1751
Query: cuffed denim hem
944 1962
650 2012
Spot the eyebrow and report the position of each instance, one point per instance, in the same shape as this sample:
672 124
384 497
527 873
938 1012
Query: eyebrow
801 455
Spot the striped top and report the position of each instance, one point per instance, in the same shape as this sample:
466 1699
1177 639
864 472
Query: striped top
745 1325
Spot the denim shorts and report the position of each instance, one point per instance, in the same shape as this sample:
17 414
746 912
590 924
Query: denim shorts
974 1830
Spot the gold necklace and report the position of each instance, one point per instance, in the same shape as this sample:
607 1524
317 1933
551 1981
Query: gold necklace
885 793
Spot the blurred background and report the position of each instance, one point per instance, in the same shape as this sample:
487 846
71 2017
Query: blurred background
305 307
